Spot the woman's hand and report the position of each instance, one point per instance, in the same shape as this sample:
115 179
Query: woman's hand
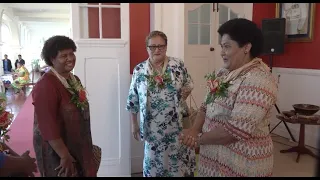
67 167
189 137
185 92
135 130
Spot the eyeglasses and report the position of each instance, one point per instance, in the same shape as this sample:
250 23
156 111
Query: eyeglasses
160 47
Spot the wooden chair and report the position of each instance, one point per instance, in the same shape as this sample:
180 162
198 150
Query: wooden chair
32 83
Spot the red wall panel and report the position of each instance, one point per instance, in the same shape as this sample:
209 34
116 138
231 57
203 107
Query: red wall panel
139 28
303 55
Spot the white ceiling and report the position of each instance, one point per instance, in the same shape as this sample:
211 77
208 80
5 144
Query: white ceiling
41 15
46 7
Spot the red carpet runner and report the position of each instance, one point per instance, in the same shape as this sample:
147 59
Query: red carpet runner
21 130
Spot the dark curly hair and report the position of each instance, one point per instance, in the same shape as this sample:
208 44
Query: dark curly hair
244 31
53 45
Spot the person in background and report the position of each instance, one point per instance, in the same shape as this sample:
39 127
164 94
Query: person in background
232 124
21 78
7 66
158 86
19 60
61 133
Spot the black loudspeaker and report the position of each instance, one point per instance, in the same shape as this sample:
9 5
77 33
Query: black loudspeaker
273 31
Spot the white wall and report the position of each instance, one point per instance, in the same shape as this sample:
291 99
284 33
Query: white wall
297 86
13 47
169 18
41 32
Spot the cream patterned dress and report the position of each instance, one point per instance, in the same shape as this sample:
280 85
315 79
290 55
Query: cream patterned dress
245 114
161 121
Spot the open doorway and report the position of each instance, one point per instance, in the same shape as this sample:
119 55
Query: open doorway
24 29
96 55
32 24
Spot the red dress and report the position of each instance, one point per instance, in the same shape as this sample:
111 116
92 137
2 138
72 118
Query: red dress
56 117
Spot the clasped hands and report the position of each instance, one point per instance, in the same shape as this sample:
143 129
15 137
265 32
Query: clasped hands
185 92
189 137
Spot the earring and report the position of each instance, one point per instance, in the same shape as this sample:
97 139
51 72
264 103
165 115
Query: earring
245 52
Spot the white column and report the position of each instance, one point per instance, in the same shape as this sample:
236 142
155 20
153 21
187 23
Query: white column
1 65
170 18
107 105
1 57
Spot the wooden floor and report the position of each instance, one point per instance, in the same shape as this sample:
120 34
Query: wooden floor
284 164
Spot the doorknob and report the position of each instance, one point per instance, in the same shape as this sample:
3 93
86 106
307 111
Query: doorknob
211 49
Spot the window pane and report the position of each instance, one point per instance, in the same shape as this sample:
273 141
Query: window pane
205 37
110 3
89 22
193 33
233 15
5 33
111 24
223 14
205 14
193 16
89 3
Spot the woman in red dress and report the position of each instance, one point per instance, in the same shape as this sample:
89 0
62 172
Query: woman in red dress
62 136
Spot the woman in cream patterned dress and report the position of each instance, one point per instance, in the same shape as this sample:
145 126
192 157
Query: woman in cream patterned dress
232 130
158 87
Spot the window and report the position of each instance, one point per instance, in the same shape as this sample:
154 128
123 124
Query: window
6 39
199 25
225 14
5 33
100 20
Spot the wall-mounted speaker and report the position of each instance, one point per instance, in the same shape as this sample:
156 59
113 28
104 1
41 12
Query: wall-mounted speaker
273 31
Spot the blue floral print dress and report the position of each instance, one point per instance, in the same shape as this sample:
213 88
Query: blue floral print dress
161 120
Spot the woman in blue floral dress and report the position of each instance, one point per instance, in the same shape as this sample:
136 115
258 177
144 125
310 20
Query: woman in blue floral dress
159 86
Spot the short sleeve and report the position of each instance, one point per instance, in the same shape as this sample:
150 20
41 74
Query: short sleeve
133 96
46 106
254 100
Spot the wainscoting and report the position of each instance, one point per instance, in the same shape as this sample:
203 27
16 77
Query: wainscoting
297 86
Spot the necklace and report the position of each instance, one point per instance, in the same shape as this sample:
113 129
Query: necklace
158 67
63 80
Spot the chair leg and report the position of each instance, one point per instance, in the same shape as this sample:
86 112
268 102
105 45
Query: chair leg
24 89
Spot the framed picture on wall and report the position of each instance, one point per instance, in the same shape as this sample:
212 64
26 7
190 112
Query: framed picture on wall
299 20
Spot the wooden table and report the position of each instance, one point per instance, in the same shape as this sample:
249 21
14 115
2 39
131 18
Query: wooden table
301 148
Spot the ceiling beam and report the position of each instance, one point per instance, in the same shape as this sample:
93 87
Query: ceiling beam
43 15
37 6
37 20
